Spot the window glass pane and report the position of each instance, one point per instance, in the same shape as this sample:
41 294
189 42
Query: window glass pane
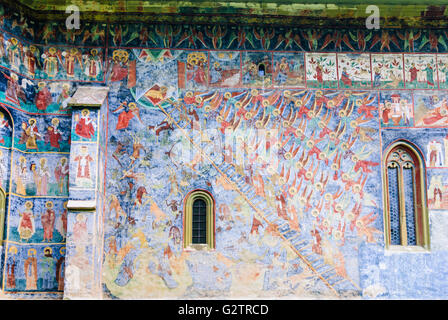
394 206
199 225
408 180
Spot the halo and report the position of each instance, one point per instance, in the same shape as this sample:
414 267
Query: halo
48 248
13 250
31 251
83 110
49 204
28 204
292 191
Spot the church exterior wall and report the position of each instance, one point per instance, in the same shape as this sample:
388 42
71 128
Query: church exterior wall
297 215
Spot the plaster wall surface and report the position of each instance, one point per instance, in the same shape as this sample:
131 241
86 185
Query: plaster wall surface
285 128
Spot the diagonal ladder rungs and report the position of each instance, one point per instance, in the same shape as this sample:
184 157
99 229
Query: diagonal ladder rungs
259 212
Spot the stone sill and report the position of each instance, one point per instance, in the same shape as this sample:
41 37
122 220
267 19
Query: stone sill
81 205
198 247
405 249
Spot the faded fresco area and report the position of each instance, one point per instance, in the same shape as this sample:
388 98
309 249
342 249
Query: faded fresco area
286 129
293 172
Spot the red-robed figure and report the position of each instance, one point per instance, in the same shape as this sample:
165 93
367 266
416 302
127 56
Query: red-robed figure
53 135
84 128
127 113
413 71
319 76
48 219
345 78
43 97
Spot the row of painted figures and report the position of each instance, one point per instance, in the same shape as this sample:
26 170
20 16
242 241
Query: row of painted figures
357 70
33 180
46 274
27 225
72 62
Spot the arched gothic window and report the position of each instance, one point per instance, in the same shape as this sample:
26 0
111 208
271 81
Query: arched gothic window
406 214
199 220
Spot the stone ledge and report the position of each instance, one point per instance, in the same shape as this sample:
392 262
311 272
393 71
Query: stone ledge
81 205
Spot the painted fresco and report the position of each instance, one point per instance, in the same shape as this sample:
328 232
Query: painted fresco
39 175
387 71
354 70
442 70
32 97
320 101
84 164
85 126
257 69
34 268
437 190
5 161
289 70
225 69
431 109
37 220
396 109
6 130
420 71
321 70
291 190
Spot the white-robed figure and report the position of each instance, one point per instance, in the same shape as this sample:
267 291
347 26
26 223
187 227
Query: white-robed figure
92 64
434 154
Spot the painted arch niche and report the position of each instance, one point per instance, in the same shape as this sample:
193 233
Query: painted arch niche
6 134
406 213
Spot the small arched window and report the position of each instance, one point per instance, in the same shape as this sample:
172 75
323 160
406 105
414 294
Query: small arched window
406 213
199 220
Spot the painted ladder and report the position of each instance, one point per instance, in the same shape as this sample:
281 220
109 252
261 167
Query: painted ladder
300 245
